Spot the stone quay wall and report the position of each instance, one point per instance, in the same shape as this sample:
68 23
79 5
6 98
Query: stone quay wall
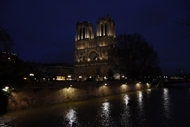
60 92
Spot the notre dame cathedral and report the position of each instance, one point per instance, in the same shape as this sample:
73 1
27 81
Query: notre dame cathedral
91 57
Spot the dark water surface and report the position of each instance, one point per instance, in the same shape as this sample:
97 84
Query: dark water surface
163 107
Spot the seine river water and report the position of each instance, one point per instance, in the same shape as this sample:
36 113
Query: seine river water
162 107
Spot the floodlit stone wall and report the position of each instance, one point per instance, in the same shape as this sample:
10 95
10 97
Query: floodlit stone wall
60 92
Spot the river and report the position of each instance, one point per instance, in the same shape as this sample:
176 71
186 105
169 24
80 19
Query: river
162 107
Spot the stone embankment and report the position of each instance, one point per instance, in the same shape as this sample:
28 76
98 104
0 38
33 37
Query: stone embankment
60 92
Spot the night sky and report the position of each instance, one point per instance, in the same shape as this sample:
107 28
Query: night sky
44 30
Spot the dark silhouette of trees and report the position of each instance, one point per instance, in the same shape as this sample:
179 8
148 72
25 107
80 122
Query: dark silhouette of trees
6 42
7 69
110 74
136 57
4 102
10 65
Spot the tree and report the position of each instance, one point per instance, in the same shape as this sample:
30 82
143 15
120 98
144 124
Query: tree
110 74
136 57
6 69
10 65
6 42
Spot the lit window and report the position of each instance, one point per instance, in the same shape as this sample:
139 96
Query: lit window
60 78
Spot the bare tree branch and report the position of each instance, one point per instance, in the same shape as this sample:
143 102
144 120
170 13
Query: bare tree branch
6 42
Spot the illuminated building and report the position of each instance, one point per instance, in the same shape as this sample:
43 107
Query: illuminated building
7 62
91 57
59 72
8 57
37 72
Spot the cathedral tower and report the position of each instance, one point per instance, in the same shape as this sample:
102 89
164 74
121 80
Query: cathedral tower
84 30
92 59
105 27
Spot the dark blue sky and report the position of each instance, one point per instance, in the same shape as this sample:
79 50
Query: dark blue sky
44 30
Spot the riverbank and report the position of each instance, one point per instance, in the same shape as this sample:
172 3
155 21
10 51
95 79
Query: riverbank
60 92
155 107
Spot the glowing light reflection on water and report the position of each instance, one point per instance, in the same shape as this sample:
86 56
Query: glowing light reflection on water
140 109
125 116
71 117
166 103
104 114
126 99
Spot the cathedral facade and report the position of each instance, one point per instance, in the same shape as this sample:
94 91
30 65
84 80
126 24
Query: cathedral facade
91 57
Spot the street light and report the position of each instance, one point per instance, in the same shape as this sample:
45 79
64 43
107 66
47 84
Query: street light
6 89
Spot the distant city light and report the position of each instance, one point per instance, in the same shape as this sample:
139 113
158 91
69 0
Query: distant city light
31 74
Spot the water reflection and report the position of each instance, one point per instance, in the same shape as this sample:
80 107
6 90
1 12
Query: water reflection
140 101
106 109
104 115
166 100
125 116
126 99
71 118
140 97
148 91
166 104
161 109
140 108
